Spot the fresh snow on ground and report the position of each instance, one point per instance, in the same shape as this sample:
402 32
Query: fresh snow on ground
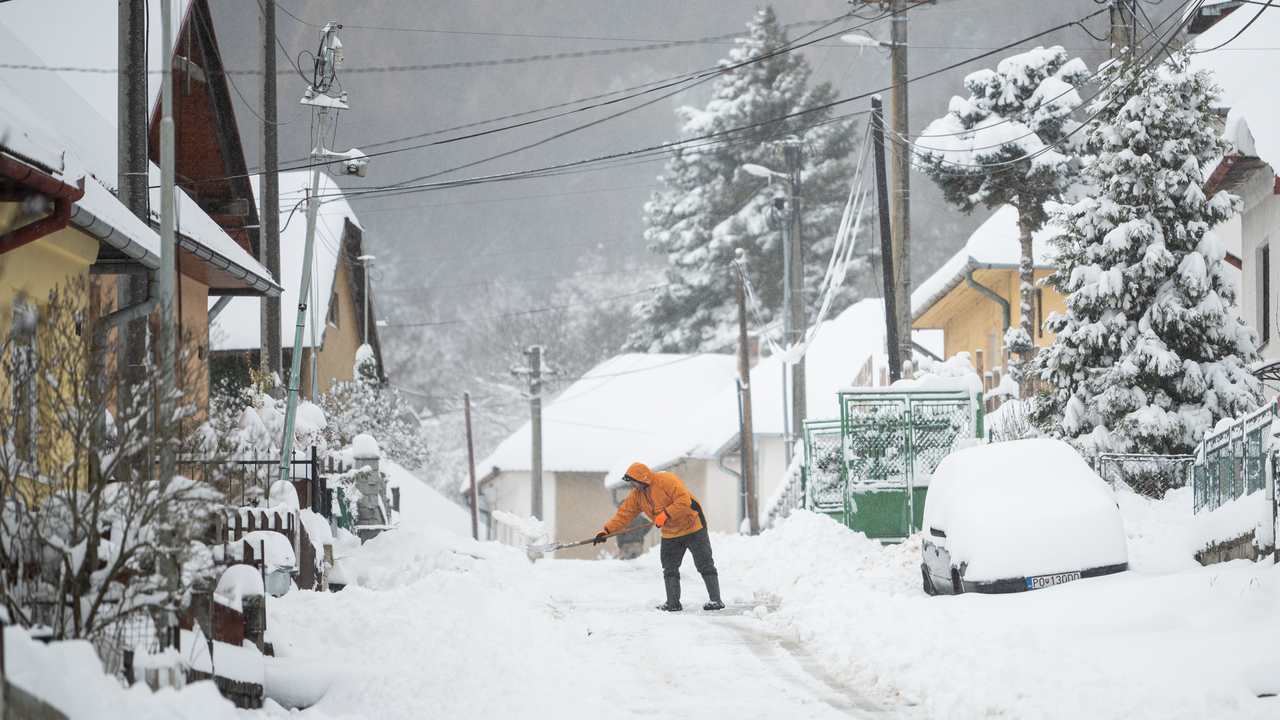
821 623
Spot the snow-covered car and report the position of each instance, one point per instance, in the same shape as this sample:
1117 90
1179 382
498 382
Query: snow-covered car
1017 516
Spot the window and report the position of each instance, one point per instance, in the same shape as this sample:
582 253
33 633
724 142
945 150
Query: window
25 356
1264 294
333 310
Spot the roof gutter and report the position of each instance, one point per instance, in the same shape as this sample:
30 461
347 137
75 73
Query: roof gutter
63 195
989 293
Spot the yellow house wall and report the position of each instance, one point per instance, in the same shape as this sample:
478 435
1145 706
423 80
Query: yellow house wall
970 321
30 273
336 359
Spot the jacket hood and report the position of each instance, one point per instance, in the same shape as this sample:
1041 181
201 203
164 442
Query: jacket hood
640 472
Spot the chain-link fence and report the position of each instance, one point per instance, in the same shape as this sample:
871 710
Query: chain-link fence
1232 463
1149 475
135 631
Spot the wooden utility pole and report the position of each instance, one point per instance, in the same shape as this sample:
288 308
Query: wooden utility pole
471 465
132 178
747 435
901 176
1122 27
886 242
269 195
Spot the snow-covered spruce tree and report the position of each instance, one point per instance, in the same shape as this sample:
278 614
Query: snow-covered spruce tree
1004 145
1146 358
710 206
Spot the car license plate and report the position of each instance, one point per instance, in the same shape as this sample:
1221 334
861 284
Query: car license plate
1044 581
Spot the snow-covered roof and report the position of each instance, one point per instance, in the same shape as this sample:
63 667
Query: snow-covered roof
83 35
1244 68
237 327
840 350
995 244
77 112
614 408
65 112
43 120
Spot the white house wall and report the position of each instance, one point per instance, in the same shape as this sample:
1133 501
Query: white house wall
509 492
1259 227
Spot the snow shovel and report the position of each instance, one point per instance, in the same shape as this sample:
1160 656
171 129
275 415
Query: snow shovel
552 547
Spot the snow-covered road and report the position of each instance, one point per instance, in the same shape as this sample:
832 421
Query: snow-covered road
556 639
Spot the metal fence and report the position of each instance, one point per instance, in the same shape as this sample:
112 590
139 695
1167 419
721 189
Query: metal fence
1149 475
823 473
1232 463
247 480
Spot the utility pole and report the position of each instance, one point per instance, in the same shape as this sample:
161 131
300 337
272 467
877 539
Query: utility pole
166 349
1123 32
269 188
534 373
471 465
747 436
793 150
901 176
886 242
326 67
366 259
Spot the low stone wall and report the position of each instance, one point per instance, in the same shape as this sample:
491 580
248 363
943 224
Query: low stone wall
1242 548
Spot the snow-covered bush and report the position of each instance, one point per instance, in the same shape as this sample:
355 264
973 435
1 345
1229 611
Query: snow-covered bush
1146 358
359 407
1008 143
711 206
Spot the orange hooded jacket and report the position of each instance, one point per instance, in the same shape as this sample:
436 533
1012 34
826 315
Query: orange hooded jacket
666 491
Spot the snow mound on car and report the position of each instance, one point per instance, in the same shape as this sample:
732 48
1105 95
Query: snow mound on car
1024 508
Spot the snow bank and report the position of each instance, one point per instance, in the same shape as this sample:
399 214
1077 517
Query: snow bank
1023 508
238 581
403 556
69 676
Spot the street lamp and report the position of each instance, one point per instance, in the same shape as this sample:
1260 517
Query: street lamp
793 322
366 259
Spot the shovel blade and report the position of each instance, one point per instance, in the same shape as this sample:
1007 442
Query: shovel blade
550 547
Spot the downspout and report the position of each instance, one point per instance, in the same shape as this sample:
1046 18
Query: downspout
742 492
219 306
62 194
104 325
989 293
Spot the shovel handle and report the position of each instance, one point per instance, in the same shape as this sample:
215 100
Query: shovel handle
561 546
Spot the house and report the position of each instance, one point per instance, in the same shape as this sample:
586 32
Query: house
216 218
1241 52
974 296
338 320
587 430
705 449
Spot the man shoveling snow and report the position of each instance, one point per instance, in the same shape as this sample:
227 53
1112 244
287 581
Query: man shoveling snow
663 497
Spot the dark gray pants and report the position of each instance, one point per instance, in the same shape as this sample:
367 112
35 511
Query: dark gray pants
698 544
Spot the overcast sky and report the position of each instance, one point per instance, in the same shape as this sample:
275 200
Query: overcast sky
447 240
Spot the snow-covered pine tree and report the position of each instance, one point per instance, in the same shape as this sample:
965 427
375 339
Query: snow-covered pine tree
1146 358
998 148
710 206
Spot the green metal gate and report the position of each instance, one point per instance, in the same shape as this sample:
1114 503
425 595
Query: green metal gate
824 468
892 442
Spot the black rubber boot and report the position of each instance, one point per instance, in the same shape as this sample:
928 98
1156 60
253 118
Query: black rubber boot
713 592
673 595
